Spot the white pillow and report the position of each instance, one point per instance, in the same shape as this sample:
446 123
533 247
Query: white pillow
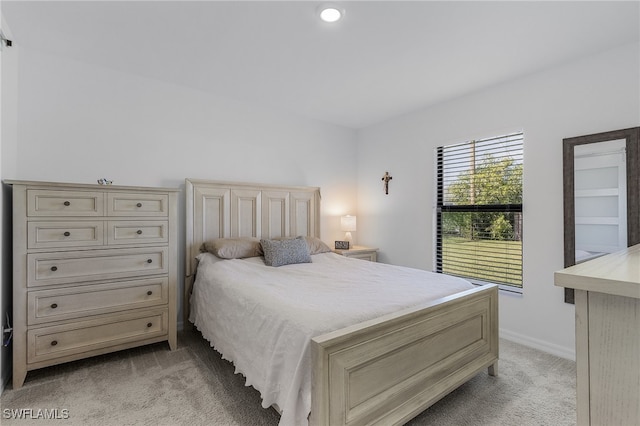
234 248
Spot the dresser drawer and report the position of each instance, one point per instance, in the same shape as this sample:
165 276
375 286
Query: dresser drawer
64 234
64 203
130 204
47 343
76 302
136 232
93 265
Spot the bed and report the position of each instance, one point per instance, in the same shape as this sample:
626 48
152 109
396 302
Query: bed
383 369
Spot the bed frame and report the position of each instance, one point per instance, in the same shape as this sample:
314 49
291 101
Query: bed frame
383 371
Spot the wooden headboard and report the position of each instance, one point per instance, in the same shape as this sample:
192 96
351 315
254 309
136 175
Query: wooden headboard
228 210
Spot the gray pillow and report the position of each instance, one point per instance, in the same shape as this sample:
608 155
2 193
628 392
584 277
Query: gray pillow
285 252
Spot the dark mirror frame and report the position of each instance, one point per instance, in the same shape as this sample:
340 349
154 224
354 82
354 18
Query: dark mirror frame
632 136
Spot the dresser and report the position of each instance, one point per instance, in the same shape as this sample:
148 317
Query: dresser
94 271
607 298
360 252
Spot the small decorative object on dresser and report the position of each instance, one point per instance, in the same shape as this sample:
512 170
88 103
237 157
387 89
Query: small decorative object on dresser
94 271
360 252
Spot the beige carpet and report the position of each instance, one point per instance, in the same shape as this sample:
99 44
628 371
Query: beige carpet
194 386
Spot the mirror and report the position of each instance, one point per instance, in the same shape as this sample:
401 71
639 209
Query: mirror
601 195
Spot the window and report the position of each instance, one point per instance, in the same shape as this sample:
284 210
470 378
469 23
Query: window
479 210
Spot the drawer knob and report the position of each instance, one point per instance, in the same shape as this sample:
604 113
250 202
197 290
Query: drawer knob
149 324
67 203
67 233
54 268
149 293
149 260
54 305
54 342
139 205
139 232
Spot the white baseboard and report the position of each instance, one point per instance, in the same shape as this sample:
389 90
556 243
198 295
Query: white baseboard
561 351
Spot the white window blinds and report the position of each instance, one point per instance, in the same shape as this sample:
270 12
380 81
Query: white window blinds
479 210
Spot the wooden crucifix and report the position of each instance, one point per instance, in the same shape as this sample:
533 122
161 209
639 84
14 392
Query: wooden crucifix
386 178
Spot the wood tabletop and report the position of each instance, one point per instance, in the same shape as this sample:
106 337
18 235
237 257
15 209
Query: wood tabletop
616 273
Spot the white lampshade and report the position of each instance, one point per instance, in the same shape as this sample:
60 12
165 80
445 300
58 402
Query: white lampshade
348 223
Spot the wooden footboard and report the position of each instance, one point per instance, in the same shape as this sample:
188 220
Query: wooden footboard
388 370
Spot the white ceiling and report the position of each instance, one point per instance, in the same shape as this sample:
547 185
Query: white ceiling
385 58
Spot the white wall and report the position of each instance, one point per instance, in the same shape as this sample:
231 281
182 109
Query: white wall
596 94
8 139
78 123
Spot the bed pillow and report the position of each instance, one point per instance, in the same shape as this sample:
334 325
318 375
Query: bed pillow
234 248
285 252
316 245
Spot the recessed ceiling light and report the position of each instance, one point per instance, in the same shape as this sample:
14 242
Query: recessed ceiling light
330 13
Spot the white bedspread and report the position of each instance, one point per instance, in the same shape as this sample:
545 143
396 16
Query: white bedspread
263 318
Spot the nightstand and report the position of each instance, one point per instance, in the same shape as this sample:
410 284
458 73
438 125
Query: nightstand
360 252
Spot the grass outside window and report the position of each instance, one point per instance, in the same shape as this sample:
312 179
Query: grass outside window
486 260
